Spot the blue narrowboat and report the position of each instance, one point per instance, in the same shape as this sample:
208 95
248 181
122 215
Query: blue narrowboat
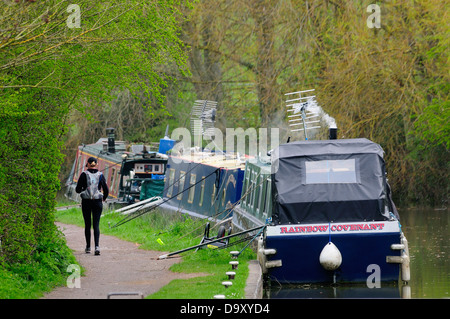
203 183
332 216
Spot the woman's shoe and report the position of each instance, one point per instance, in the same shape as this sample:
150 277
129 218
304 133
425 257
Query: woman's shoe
87 250
97 251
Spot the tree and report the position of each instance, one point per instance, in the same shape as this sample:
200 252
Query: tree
49 66
388 84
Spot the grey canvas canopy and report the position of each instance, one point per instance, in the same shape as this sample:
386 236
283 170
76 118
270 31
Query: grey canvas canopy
329 181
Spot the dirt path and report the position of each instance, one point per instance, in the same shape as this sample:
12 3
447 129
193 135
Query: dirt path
121 267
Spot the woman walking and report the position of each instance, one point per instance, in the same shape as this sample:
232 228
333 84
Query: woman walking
89 186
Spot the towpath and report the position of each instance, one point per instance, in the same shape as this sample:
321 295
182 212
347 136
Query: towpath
121 267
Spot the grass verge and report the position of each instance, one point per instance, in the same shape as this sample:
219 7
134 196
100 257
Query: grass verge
168 232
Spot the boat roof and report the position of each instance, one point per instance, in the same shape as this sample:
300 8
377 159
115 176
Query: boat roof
99 150
328 180
217 159
329 147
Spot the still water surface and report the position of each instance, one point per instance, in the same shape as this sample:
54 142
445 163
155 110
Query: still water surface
427 231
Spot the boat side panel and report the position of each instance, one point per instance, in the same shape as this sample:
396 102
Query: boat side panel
214 199
300 257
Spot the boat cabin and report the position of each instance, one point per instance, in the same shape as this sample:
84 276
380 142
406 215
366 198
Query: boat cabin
329 181
131 171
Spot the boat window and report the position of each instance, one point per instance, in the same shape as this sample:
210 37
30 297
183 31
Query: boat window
331 172
261 195
202 192
79 168
105 169
213 195
257 190
145 168
170 182
266 196
246 186
224 194
192 181
268 207
181 185
262 207
113 179
116 179
252 192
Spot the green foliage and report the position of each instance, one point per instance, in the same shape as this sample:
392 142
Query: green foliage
46 70
388 84
433 126
28 177
46 269
33 254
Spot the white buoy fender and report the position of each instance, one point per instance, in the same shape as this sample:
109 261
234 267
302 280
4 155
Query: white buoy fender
330 258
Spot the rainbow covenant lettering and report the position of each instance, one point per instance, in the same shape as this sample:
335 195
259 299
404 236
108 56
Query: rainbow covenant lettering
324 228
334 228
304 229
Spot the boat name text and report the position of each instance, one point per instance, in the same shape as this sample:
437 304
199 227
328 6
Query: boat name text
333 228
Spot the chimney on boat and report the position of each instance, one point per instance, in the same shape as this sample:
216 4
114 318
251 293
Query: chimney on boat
332 131
111 139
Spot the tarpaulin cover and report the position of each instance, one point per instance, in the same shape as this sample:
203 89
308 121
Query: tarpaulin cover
151 188
328 181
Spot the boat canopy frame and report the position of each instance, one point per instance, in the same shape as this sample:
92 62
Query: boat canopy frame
327 181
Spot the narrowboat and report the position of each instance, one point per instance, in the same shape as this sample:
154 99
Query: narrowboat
332 216
132 172
326 207
203 183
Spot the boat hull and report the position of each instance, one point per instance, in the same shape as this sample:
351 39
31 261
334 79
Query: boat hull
364 248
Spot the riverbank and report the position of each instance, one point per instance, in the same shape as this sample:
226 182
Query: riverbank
121 268
156 234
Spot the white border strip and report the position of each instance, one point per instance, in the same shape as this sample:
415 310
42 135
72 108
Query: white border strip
336 228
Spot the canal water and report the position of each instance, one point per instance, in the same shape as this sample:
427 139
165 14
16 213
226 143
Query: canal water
427 231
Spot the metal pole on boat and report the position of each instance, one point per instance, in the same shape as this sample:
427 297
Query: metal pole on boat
127 209
304 124
142 202
210 242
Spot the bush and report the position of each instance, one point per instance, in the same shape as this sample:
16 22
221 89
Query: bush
33 254
45 270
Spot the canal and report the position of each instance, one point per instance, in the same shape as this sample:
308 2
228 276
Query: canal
427 231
